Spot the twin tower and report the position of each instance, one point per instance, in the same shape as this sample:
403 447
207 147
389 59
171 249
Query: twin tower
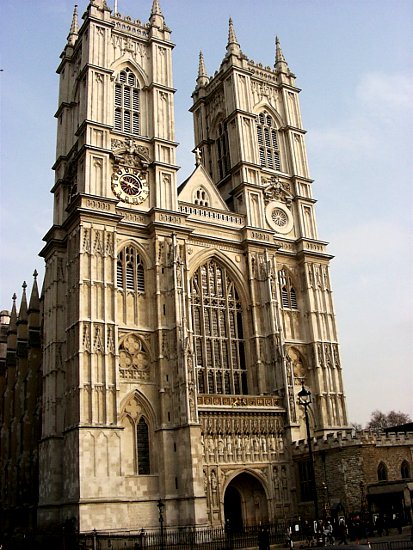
179 321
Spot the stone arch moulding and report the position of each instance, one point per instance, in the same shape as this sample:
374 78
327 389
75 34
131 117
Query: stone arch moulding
128 241
146 410
125 62
265 106
203 256
260 477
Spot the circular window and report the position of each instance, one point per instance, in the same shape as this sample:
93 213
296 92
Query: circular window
279 217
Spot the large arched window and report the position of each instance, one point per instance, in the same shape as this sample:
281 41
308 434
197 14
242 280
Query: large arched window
287 290
130 273
382 472
268 141
218 332
127 103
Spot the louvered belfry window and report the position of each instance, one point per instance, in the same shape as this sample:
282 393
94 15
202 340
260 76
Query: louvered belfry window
268 142
287 290
127 103
130 272
218 332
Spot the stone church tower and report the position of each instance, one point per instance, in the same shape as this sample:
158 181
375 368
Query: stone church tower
179 322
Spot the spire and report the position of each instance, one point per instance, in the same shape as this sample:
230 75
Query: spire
232 46
156 18
202 79
74 29
280 62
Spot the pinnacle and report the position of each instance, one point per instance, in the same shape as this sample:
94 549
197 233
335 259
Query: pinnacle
74 28
202 79
233 45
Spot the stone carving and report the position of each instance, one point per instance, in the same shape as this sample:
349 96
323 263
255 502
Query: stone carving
241 438
276 190
134 358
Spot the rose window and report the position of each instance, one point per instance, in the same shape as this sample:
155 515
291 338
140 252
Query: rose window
279 217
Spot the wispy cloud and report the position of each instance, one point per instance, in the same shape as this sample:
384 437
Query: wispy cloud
377 106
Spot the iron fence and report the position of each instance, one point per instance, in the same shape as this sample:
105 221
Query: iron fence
185 538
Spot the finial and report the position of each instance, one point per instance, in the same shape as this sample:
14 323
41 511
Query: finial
24 286
14 298
232 46
74 29
202 79
35 274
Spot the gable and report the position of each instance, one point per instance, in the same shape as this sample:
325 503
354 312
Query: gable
199 189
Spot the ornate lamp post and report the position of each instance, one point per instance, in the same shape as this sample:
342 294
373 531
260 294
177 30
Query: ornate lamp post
304 399
161 506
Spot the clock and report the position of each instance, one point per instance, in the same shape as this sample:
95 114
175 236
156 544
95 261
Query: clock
129 185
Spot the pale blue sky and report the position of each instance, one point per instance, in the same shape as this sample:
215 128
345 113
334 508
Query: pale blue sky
353 60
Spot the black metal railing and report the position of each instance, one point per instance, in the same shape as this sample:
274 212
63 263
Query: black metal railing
186 538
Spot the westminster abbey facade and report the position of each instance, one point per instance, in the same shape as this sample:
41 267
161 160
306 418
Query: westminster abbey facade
177 322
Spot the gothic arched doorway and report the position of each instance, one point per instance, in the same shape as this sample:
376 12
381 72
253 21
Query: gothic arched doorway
245 503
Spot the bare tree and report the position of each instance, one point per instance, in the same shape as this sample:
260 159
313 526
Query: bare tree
379 420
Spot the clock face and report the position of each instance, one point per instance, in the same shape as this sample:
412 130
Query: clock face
129 185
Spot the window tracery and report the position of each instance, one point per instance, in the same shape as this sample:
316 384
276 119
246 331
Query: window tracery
218 332
134 359
130 272
267 135
127 103
139 431
287 291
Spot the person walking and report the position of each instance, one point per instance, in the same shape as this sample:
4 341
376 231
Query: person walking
342 531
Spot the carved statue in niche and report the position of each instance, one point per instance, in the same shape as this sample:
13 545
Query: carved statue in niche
298 367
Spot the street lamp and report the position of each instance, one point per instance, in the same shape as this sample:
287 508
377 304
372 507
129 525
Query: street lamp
304 399
161 506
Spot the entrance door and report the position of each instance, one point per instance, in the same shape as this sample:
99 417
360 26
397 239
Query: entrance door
233 510
245 503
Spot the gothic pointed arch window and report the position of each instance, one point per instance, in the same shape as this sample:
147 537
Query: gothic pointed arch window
127 103
287 290
405 470
130 272
219 344
267 135
137 436
382 474
222 145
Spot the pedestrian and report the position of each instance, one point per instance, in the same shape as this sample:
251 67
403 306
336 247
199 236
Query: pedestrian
263 539
328 533
342 532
